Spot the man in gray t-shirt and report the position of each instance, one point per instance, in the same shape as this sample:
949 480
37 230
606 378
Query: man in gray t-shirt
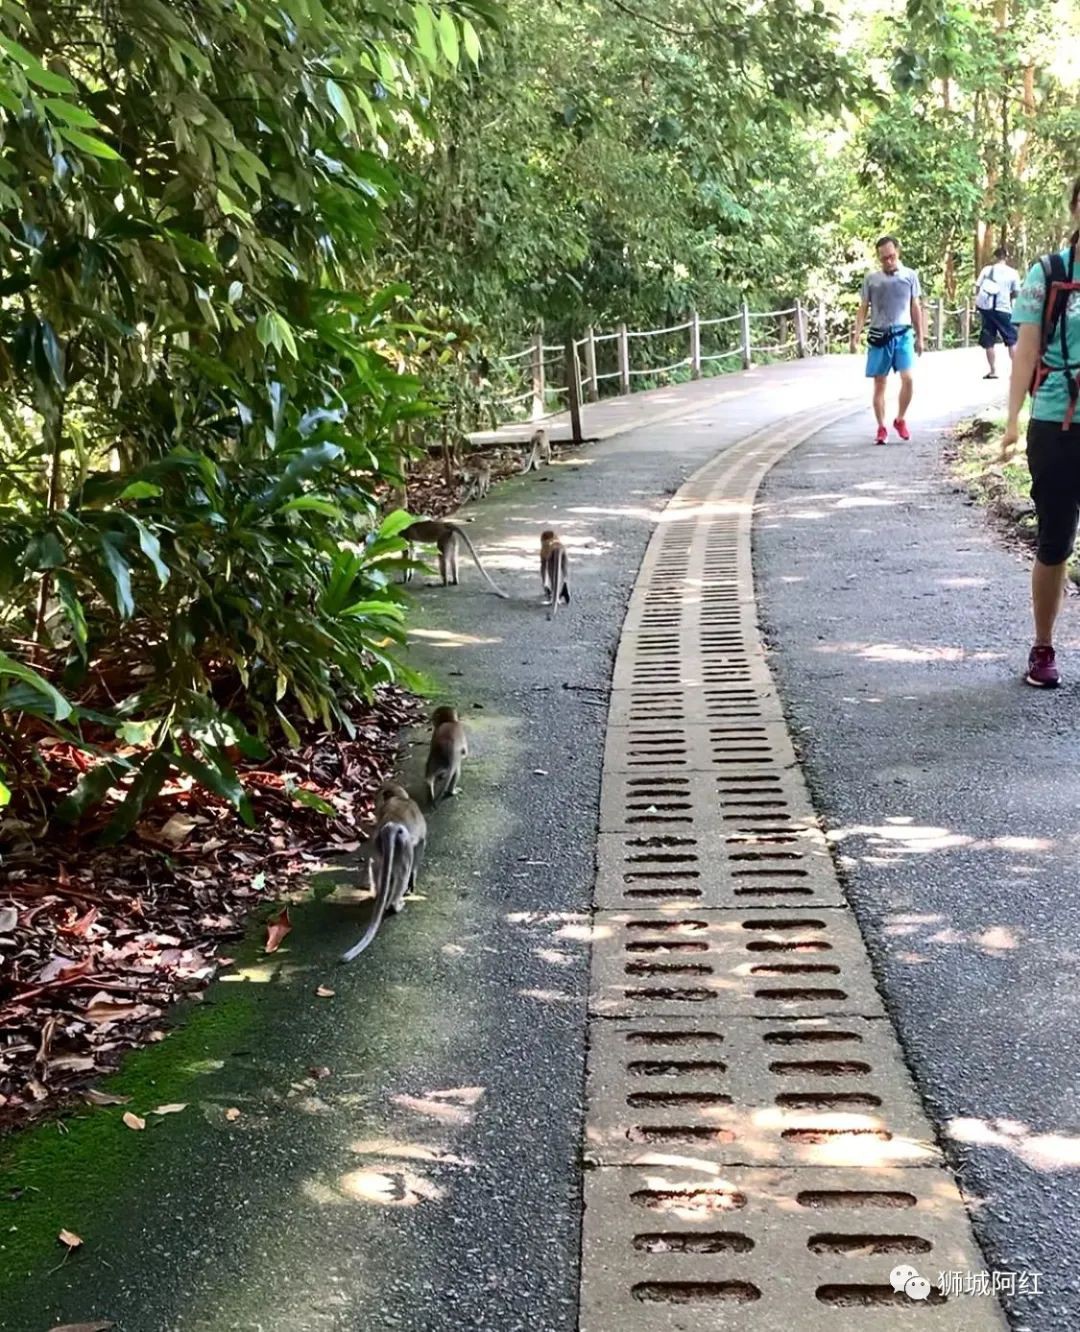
891 299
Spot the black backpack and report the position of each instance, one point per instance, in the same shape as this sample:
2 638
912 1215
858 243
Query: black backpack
1060 285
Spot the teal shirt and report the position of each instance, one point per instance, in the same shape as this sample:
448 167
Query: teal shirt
1052 400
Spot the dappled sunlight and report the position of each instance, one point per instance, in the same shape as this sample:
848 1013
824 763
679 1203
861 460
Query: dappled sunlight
393 1149
448 638
1038 1150
551 996
555 958
959 584
259 973
455 1105
906 654
993 940
865 502
622 511
904 835
389 1188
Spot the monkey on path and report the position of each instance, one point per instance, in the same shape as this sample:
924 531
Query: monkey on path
443 534
553 565
448 747
396 854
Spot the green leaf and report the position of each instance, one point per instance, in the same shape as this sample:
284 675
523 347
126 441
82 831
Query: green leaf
218 776
69 114
313 504
88 143
34 70
92 788
448 37
140 490
73 609
291 734
61 708
121 572
309 798
5 793
394 524
472 41
148 782
340 102
151 548
425 33
54 353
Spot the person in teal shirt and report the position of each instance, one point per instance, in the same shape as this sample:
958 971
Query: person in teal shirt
1053 447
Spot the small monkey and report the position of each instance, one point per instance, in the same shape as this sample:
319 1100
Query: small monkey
479 482
448 747
553 564
444 535
539 451
394 859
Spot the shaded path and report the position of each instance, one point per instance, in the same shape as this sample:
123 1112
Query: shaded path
432 1181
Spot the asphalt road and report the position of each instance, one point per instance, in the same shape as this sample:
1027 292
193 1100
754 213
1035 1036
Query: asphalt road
899 623
431 1181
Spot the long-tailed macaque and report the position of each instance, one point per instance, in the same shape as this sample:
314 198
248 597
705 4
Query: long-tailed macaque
448 747
395 857
478 483
444 535
539 450
553 566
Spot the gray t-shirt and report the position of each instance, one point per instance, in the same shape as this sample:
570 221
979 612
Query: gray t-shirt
890 296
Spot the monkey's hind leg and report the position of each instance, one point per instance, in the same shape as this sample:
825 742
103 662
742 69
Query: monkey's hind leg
403 870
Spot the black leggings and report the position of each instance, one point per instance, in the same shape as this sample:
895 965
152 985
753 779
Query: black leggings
1054 460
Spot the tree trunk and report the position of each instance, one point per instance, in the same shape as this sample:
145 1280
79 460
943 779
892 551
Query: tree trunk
54 441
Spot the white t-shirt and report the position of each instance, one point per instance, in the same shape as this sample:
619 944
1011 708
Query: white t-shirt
995 288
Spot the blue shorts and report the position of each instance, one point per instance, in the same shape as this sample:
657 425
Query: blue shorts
996 324
897 354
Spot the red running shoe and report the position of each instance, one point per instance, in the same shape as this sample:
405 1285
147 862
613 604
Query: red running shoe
1042 671
900 426
882 435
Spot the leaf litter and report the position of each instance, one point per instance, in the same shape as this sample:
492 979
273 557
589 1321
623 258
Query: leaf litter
97 943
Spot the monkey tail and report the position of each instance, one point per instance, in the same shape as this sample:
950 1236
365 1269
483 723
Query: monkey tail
558 581
387 838
476 558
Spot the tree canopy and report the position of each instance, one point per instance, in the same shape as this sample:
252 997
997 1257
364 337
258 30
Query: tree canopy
248 250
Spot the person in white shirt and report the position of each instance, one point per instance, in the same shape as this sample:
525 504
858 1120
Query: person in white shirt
995 288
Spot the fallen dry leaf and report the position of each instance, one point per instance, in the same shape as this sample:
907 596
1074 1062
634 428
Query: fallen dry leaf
276 929
69 1238
325 992
9 918
134 1122
232 1114
59 969
102 1325
171 1109
71 1064
103 1009
36 1089
96 1097
83 924
179 828
318 1073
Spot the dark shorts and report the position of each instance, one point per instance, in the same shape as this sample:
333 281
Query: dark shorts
997 327
1054 459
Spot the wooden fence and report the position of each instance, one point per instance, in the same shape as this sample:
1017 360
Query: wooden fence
547 378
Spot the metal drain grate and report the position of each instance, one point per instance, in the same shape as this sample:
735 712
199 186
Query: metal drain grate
760 1157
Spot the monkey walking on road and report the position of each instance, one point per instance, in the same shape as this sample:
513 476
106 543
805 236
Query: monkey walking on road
553 565
448 747
539 451
478 483
444 535
395 857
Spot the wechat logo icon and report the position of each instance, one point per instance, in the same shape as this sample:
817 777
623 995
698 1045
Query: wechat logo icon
906 1279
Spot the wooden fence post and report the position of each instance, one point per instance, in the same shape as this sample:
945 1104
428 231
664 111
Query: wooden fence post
573 389
538 373
822 330
695 345
800 329
624 360
939 331
965 325
592 386
747 360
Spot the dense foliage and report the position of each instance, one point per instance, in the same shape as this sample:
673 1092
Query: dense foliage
246 248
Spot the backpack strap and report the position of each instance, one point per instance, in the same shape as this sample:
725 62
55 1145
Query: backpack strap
1060 285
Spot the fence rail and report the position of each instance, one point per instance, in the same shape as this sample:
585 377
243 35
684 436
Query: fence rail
546 377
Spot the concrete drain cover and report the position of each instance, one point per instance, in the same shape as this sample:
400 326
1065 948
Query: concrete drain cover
759 1157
